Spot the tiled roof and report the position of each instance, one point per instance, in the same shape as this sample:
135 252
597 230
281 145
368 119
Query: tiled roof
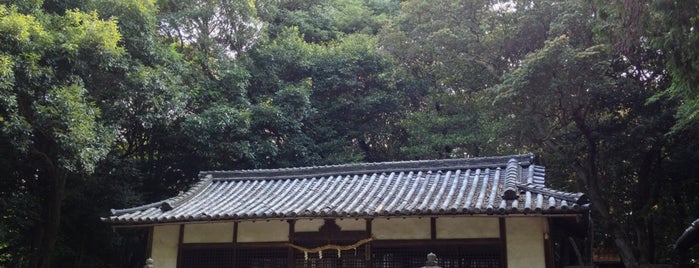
489 185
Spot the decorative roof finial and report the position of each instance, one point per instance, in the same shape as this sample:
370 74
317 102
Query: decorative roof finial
431 261
511 174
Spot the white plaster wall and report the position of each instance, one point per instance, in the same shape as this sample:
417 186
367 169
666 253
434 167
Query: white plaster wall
525 241
398 228
263 231
164 250
351 224
467 227
308 225
221 232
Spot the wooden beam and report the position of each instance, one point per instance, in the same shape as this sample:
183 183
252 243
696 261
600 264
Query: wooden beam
490 243
486 243
253 245
342 237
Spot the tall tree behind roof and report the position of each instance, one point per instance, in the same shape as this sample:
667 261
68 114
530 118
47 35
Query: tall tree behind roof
677 35
48 115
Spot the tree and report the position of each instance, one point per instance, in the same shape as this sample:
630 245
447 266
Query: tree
676 35
326 20
281 85
356 100
440 40
49 118
352 104
451 52
450 126
124 104
213 29
584 110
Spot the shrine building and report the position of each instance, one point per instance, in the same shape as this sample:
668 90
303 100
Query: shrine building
471 212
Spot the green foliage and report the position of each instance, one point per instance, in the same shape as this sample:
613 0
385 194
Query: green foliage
66 116
137 24
677 37
24 6
21 32
214 27
59 7
51 122
224 126
439 40
84 30
316 24
450 126
583 108
124 101
557 70
327 20
352 16
356 98
284 59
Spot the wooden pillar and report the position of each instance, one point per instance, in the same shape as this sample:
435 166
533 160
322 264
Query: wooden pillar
149 243
547 251
433 228
503 242
180 238
548 247
367 247
234 243
290 250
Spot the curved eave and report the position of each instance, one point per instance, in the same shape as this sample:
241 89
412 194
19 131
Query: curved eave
164 205
689 237
499 211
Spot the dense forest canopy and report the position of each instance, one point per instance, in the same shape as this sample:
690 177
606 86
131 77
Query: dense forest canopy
113 103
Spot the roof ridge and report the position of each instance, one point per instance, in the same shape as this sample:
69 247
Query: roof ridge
345 169
511 176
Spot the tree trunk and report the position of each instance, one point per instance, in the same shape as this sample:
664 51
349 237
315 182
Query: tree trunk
37 237
53 182
623 245
646 196
51 221
589 173
625 249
